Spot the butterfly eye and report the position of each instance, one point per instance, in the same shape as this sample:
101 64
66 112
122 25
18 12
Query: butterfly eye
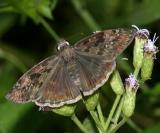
62 44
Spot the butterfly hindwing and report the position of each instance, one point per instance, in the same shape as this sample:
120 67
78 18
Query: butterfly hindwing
93 72
59 89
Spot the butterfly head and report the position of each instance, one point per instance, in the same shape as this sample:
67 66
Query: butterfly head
62 44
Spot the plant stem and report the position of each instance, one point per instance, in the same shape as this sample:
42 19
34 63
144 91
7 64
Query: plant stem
96 120
7 9
121 123
118 112
49 29
13 59
78 123
112 111
100 114
136 72
134 126
85 15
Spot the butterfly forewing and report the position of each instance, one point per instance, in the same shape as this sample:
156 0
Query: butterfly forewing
109 43
28 85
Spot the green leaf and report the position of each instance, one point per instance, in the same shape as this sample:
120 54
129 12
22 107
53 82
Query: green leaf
154 90
18 58
53 4
145 12
125 12
153 129
3 3
33 8
7 21
44 8
10 113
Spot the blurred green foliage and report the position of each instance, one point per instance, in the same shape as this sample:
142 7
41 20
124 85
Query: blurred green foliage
24 42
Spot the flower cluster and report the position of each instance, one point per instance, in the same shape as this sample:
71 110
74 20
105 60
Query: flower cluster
131 82
150 46
141 32
143 60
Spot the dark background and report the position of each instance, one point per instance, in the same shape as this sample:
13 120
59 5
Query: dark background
24 41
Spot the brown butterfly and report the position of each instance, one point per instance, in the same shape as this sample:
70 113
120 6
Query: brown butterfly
75 71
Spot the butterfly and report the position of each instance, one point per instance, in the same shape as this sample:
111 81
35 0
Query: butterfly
74 71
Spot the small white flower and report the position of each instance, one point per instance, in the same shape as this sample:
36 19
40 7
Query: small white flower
144 32
150 46
132 82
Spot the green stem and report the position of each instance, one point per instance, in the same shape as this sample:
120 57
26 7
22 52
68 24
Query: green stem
96 120
13 59
49 29
112 111
118 112
121 123
100 114
136 72
134 126
78 123
85 15
6 9
54 4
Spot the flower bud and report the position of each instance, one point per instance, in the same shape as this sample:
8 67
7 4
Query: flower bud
147 67
130 96
140 40
129 103
92 101
66 110
150 51
116 83
138 52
